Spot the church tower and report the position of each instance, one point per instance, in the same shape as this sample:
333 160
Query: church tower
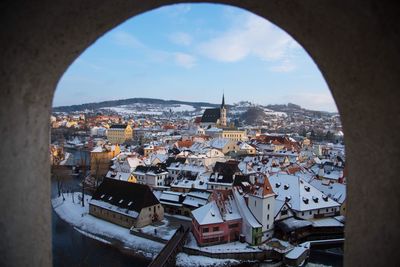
222 119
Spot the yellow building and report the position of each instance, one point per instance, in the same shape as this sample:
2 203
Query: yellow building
233 134
100 158
119 133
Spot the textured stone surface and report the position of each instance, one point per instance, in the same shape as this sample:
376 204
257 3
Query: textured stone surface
354 43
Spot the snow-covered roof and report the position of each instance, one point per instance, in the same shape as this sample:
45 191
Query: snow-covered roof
336 191
232 211
300 195
245 146
123 176
170 196
297 251
219 143
208 214
291 224
200 194
326 222
133 162
194 201
248 217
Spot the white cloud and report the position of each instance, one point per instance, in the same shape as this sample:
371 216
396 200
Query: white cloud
184 60
125 39
181 38
251 36
154 55
285 65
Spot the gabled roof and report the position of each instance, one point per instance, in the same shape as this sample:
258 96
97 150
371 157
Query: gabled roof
219 143
126 195
208 214
211 115
263 189
299 194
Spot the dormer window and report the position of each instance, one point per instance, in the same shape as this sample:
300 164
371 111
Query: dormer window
121 201
277 185
109 198
305 200
286 187
130 203
307 188
325 198
315 199
288 198
102 196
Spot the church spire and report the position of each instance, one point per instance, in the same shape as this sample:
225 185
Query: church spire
223 101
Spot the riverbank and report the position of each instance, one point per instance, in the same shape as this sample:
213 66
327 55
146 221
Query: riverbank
70 210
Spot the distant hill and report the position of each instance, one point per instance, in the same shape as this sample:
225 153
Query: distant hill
243 110
253 115
131 101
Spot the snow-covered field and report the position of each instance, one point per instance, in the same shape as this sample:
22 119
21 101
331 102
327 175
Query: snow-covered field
79 217
147 109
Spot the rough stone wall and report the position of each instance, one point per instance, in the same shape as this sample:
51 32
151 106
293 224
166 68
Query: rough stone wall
355 43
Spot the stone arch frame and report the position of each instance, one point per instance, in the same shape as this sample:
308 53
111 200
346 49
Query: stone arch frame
353 42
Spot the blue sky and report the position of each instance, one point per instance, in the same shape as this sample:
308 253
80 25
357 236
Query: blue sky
194 52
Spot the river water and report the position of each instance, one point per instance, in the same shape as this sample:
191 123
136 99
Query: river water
71 248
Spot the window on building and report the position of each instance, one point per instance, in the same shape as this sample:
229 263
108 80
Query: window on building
268 206
310 212
302 214
205 230
215 229
267 216
233 225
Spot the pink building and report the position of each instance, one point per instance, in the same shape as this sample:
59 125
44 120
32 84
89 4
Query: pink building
217 222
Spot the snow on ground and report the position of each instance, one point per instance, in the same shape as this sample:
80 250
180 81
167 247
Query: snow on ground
123 110
142 109
79 217
183 259
181 108
222 248
164 231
